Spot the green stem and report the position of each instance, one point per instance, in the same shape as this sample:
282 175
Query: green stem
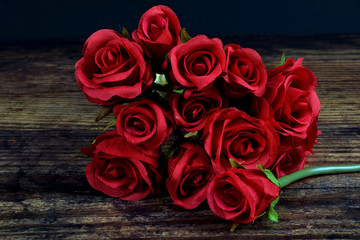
311 171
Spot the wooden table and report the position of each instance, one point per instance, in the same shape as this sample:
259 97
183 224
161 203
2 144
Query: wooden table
45 120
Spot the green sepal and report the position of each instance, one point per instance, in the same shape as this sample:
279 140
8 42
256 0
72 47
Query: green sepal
236 164
179 91
184 35
161 79
191 134
262 214
172 151
283 58
125 33
271 213
110 124
125 103
104 111
167 58
233 227
269 175
162 94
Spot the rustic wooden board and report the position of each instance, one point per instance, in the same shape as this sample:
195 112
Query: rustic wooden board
45 120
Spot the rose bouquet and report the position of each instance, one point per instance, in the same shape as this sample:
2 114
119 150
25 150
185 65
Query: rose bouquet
238 132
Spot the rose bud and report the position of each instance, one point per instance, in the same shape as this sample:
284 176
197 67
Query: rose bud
191 110
143 122
120 169
232 134
112 69
245 72
158 31
197 63
190 171
241 195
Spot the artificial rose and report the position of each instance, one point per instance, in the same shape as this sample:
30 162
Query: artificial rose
292 159
197 63
290 91
120 169
245 72
310 140
241 195
143 122
191 110
112 69
232 134
158 31
189 171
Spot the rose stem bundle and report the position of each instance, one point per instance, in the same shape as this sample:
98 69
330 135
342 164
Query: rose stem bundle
320 170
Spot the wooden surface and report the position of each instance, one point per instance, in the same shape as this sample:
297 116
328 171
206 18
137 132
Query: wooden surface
45 120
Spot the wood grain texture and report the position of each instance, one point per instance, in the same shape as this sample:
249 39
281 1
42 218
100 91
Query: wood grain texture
45 120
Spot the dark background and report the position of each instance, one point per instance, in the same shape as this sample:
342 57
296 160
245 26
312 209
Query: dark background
34 20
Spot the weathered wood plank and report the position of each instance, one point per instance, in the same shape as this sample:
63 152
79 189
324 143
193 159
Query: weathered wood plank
45 120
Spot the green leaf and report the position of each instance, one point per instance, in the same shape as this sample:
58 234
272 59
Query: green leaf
272 214
190 134
282 60
125 33
236 164
184 35
110 124
160 79
104 111
126 103
233 227
179 91
275 201
172 151
269 175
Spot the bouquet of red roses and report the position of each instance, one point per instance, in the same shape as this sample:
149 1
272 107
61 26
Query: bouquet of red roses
235 127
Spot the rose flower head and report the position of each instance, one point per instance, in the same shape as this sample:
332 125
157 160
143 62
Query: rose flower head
120 169
158 31
241 195
190 111
143 122
291 159
232 135
197 63
112 69
290 91
190 172
245 72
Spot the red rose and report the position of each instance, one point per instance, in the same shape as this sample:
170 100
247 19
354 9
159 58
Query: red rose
190 171
191 110
197 63
241 195
143 122
291 94
231 133
158 31
245 72
112 69
119 169
292 159
310 140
